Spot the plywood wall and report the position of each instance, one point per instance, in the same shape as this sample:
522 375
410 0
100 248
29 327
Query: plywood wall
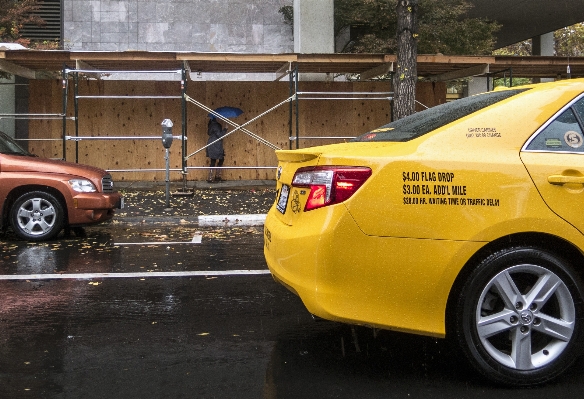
134 117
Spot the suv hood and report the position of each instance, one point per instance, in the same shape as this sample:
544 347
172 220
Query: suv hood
17 163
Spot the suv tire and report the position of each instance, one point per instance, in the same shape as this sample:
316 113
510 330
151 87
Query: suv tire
37 216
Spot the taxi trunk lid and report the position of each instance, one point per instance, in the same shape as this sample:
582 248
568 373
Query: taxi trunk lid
289 201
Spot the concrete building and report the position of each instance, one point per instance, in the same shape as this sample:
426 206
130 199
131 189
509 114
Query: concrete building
253 26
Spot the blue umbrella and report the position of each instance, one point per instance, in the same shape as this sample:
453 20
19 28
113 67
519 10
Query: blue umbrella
227 112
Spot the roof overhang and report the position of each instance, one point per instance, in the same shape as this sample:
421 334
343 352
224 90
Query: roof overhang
38 64
524 19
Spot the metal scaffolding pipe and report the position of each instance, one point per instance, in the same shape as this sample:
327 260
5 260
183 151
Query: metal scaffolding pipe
80 138
346 98
72 118
36 139
123 71
59 115
190 167
231 167
292 138
346 92
142 170
137 97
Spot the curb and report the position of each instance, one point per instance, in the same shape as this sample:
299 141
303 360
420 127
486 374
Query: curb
203 220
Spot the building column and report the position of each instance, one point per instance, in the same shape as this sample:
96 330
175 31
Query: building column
543 45
314 30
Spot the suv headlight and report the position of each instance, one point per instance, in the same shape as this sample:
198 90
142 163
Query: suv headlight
82 186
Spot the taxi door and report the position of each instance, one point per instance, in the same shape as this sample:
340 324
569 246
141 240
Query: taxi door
554 158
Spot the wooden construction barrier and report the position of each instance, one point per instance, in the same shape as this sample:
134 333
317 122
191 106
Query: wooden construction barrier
122 115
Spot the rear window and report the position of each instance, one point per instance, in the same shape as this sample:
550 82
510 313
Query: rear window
420 123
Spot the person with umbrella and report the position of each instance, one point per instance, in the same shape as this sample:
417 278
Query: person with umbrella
215 151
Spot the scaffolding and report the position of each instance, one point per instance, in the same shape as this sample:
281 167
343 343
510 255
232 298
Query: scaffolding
76 97
295 96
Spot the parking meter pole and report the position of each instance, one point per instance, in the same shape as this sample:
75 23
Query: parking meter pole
167 179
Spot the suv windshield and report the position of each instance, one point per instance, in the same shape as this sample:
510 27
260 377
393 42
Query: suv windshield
420 123
9 146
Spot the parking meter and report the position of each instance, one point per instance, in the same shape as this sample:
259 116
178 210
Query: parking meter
167 133
167 142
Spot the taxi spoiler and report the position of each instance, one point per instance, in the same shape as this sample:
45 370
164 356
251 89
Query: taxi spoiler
296 156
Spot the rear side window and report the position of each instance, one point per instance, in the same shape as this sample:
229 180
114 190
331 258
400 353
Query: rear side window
420 123
564 133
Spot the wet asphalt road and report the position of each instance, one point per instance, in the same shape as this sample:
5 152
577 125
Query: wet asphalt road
209 334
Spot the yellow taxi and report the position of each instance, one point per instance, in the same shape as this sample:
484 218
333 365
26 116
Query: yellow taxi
464 221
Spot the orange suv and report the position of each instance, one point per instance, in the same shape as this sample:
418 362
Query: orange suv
39 197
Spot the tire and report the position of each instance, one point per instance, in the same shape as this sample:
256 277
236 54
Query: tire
518 317
37 216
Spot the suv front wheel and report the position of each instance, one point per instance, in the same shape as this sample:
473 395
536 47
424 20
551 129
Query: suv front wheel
37 216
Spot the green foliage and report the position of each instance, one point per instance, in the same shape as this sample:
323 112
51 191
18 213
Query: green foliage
14 14
519 49
442 27
507 82
570 41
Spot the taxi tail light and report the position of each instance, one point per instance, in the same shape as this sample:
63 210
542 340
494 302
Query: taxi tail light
330 184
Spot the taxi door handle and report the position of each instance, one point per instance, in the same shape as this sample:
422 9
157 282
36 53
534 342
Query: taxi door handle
560 180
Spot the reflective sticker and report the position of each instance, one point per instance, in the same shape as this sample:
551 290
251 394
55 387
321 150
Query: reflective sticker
573 139
295 202
553 143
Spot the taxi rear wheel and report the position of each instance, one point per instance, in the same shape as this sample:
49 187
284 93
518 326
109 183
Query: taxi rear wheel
37 216
518 316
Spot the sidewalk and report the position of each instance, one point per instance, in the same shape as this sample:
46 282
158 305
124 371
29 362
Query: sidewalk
145 202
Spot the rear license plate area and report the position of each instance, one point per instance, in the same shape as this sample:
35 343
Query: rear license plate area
283 199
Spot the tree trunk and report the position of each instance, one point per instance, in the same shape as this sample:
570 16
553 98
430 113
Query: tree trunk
406 73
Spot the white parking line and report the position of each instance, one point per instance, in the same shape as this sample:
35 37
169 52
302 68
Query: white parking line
88 276
197 239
